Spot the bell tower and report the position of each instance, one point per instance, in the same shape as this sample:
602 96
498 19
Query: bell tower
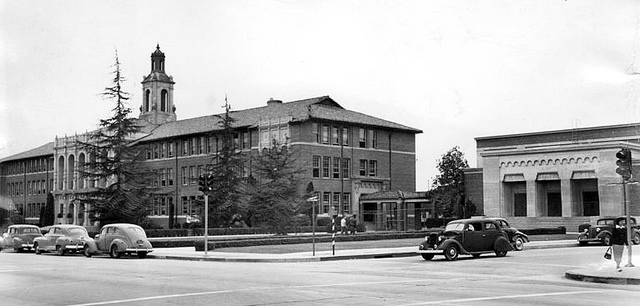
157 93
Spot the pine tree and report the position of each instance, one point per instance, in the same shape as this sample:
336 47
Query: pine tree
120 192
275 195
227 174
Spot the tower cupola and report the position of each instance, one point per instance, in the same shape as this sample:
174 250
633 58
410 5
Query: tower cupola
157 92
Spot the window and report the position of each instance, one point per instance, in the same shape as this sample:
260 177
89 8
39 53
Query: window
163 177
345 136
316 166
184 175
264 139
193 143
362 138
170 176
325 134
314 131
210 144
284 134
185 147
185 205
346 203
326 161
335 136
149 153
336 200
156 151
363 167
336 167
373 168
163 206
373 138
164 100
192 175
163 150
170 153
245 141
326 196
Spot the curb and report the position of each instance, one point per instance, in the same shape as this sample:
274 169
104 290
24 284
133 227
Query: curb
586 277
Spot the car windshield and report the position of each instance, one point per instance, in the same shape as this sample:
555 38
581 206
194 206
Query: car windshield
30 230
136 233
454 226
78 232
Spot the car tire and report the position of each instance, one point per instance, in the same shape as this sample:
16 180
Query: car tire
606 239
501 253
451 252
59 250
518 245
113 252
427 256
36 249
86 251
142 255
636 238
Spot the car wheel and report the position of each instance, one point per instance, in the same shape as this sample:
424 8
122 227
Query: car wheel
142 255
606 239
86 251
451 252
114 252
501 253
427 256
636 238
519 244
59 250
36 249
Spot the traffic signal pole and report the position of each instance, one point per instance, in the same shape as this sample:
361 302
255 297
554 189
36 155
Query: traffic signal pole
206 224
625 169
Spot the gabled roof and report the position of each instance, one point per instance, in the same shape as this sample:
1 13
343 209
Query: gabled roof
323 108
43 150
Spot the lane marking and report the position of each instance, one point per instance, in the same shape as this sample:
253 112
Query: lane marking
489 298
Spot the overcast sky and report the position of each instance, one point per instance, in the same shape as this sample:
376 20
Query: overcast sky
454 69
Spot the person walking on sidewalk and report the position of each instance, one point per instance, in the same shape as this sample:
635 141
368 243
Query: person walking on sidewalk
618 240
343 225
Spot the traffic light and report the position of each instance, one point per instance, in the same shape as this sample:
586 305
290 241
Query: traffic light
210 181
202 182
624 163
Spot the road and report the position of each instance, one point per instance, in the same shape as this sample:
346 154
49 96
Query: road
531 277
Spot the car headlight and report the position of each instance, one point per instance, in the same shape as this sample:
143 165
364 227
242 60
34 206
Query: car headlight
597 230
586 230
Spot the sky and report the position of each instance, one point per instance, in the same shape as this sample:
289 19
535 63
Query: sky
455 69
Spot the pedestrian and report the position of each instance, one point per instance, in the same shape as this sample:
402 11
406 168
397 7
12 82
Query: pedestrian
618 240
352 224
343 225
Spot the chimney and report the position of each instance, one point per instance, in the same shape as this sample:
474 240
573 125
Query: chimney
272 101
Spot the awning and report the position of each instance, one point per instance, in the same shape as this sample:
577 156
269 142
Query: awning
584 175
514 177
551 176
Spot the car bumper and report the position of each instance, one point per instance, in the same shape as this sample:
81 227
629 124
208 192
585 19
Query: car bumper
26 246
134 250
74 247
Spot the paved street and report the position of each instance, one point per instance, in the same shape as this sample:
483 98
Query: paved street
532 277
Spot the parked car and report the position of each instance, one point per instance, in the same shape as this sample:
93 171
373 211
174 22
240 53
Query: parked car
62 238
20 237
601 232
119 238
516 237
467 236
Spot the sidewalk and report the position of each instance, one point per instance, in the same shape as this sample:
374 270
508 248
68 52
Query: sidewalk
607 274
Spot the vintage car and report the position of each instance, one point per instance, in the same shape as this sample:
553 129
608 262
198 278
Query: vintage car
601 232
20 237
119 238
466 236
62 238
516 237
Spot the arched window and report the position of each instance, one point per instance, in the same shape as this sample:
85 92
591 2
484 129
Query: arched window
70 173
61 173
165 100
147 99
81 170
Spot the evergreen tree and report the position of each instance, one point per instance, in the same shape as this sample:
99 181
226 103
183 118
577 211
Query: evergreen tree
448 193
227 174
275 195
120 192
